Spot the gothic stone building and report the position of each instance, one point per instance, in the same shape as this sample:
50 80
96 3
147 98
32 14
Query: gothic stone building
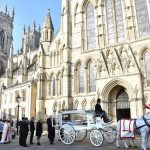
102 49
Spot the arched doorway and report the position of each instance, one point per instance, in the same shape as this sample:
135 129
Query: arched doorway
118 103
122 104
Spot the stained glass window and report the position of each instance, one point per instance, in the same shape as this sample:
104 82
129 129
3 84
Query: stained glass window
81 79
115 25
92 77
90 24
147 65
142 18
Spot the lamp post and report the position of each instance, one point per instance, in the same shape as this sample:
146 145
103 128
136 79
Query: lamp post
18 100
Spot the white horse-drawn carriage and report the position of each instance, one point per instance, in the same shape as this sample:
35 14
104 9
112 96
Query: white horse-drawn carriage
74 125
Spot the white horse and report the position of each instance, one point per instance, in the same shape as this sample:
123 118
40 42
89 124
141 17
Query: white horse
143 126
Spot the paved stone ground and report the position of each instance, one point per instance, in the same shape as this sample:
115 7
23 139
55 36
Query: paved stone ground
58 145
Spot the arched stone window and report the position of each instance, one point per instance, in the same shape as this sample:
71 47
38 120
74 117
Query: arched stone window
147 67
81 78
115 24
53 86
142 18
59 84
90 26
92 85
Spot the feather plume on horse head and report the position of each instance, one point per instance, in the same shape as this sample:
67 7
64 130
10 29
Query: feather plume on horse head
147 106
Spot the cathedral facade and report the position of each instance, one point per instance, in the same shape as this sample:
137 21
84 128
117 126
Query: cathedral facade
100 51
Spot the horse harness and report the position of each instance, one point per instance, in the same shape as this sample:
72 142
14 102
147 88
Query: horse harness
146 124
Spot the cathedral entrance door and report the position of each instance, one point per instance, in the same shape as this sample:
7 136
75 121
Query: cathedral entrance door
123 105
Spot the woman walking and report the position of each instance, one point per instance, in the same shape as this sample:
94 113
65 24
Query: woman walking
39 131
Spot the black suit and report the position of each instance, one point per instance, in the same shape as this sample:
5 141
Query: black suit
51 129
98 109
100 112
23 132
32 128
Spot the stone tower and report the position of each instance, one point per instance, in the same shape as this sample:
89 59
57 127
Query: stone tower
6 37
30 40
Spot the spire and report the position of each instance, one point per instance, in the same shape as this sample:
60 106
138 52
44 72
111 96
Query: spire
29 28
13 13
6 10
24 29
34 26
48 21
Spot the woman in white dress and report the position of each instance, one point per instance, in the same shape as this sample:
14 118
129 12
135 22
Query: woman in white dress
6 135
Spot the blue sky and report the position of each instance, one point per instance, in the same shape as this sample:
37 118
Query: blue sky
26 11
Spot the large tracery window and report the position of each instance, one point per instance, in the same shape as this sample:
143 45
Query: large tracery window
90 25
92 87
81 78
142 18
147 67
115 24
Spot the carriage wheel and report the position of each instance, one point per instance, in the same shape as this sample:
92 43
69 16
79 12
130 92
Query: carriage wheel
110 135
81 135
96 137
67 134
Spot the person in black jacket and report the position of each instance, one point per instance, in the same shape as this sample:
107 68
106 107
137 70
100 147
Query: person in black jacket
24 128
51 129
39 131
21 131
100 112
32 128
